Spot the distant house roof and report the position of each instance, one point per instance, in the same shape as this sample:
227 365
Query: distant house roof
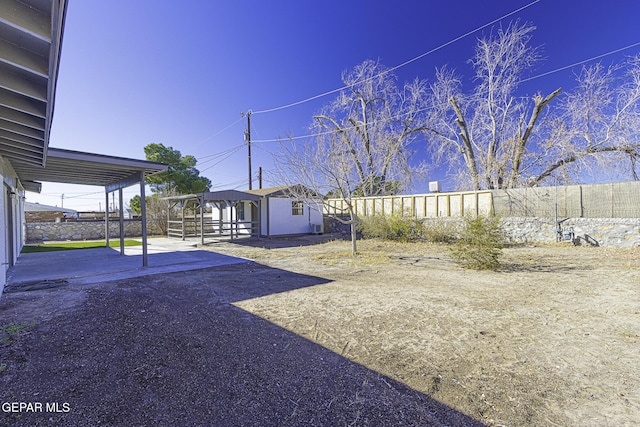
37 207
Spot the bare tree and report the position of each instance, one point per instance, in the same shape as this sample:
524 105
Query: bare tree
486 136
362 140
597 128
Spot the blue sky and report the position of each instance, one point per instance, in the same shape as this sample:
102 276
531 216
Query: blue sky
135 72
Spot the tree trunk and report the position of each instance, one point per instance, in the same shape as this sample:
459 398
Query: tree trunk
466 149
540 104
354 236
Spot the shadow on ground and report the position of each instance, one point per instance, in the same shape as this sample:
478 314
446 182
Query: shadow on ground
280 242
171 349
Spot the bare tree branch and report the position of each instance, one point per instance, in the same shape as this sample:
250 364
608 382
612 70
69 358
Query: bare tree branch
365 151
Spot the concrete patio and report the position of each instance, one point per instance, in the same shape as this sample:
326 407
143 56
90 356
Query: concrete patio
85 266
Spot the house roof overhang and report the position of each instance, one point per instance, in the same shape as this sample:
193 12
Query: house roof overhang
30 44
77 167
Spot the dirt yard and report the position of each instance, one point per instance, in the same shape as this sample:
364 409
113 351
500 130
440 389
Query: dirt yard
553 339
399 335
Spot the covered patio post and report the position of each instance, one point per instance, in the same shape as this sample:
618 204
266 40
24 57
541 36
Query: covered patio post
106 217
143 213
201 199
121 211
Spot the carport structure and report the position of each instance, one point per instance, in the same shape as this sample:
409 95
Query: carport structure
31 34
112 173
197 226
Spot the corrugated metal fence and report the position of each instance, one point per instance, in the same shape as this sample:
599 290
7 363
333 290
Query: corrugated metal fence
616 200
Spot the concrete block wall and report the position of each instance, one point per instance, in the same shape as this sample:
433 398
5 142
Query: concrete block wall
89 230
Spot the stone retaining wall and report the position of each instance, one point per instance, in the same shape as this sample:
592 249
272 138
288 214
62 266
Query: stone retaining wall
86 230
614 232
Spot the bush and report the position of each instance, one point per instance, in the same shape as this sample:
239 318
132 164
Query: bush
440 230
392 227
480 242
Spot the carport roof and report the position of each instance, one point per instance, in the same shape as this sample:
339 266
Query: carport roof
76 167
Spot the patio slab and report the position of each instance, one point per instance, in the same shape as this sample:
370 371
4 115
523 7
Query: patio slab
84 266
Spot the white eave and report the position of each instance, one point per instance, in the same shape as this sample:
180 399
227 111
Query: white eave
30 42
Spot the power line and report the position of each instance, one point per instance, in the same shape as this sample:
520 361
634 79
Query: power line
212 157
219 132
293 138
224 158
581 62
81 196
293 104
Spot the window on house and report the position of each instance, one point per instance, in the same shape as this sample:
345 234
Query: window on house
296 208
240 211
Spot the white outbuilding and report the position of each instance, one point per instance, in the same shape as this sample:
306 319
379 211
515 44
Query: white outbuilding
266 212
284 215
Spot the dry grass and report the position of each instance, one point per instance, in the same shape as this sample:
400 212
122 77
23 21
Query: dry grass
549 339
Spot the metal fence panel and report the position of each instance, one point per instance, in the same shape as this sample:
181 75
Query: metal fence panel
618 200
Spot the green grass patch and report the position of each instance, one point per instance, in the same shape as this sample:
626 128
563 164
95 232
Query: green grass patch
65 246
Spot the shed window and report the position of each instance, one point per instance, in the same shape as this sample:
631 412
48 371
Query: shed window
296 208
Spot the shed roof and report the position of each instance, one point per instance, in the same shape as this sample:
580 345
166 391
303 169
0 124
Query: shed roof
237 195
284 191
213 196
272 191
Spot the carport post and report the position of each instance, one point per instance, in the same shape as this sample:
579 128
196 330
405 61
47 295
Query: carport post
143 213
182 203
106 217
121 221
202 219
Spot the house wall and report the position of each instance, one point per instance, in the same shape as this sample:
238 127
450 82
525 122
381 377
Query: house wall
276 217
283 222
11 219
264 217
245 228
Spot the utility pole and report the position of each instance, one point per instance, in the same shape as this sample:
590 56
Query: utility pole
62 200
260 177
247 137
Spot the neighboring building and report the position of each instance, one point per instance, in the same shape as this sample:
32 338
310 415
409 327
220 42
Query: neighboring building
35 212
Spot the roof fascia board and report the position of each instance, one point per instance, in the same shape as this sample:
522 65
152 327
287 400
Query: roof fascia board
108 160
132 179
